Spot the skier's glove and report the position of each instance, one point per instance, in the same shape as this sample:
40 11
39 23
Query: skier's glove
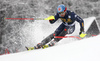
82 33
51 21
81 30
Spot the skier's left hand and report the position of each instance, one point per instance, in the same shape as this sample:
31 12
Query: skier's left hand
51 20
82 33
81 30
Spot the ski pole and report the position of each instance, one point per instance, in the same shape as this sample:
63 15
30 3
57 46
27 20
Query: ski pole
50 17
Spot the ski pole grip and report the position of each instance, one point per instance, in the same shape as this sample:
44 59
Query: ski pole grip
50 18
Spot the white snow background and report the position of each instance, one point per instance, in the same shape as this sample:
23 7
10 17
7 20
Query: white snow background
81 50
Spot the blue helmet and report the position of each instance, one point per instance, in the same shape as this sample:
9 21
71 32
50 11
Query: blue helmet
61 8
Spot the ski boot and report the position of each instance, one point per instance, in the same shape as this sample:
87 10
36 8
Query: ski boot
38 46
52 43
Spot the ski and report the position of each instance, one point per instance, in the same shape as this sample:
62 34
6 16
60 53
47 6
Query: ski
68 37
45 46
32 48
29 48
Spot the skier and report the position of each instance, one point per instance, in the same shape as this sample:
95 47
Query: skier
67 27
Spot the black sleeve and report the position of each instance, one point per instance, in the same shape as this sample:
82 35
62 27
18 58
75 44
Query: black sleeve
78 19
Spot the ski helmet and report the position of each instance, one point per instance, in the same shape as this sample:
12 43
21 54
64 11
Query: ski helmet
61 8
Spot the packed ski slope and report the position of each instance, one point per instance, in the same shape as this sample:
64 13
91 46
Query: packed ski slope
82 50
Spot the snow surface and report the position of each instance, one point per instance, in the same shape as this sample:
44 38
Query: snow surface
82 50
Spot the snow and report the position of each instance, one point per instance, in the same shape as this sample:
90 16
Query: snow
81 50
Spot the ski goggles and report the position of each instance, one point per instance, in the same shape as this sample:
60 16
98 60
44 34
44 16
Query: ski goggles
61 13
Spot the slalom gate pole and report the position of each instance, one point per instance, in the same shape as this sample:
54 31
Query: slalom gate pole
24 18
68 37
50 17
6 50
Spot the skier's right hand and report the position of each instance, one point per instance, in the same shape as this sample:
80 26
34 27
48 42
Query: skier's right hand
51 21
